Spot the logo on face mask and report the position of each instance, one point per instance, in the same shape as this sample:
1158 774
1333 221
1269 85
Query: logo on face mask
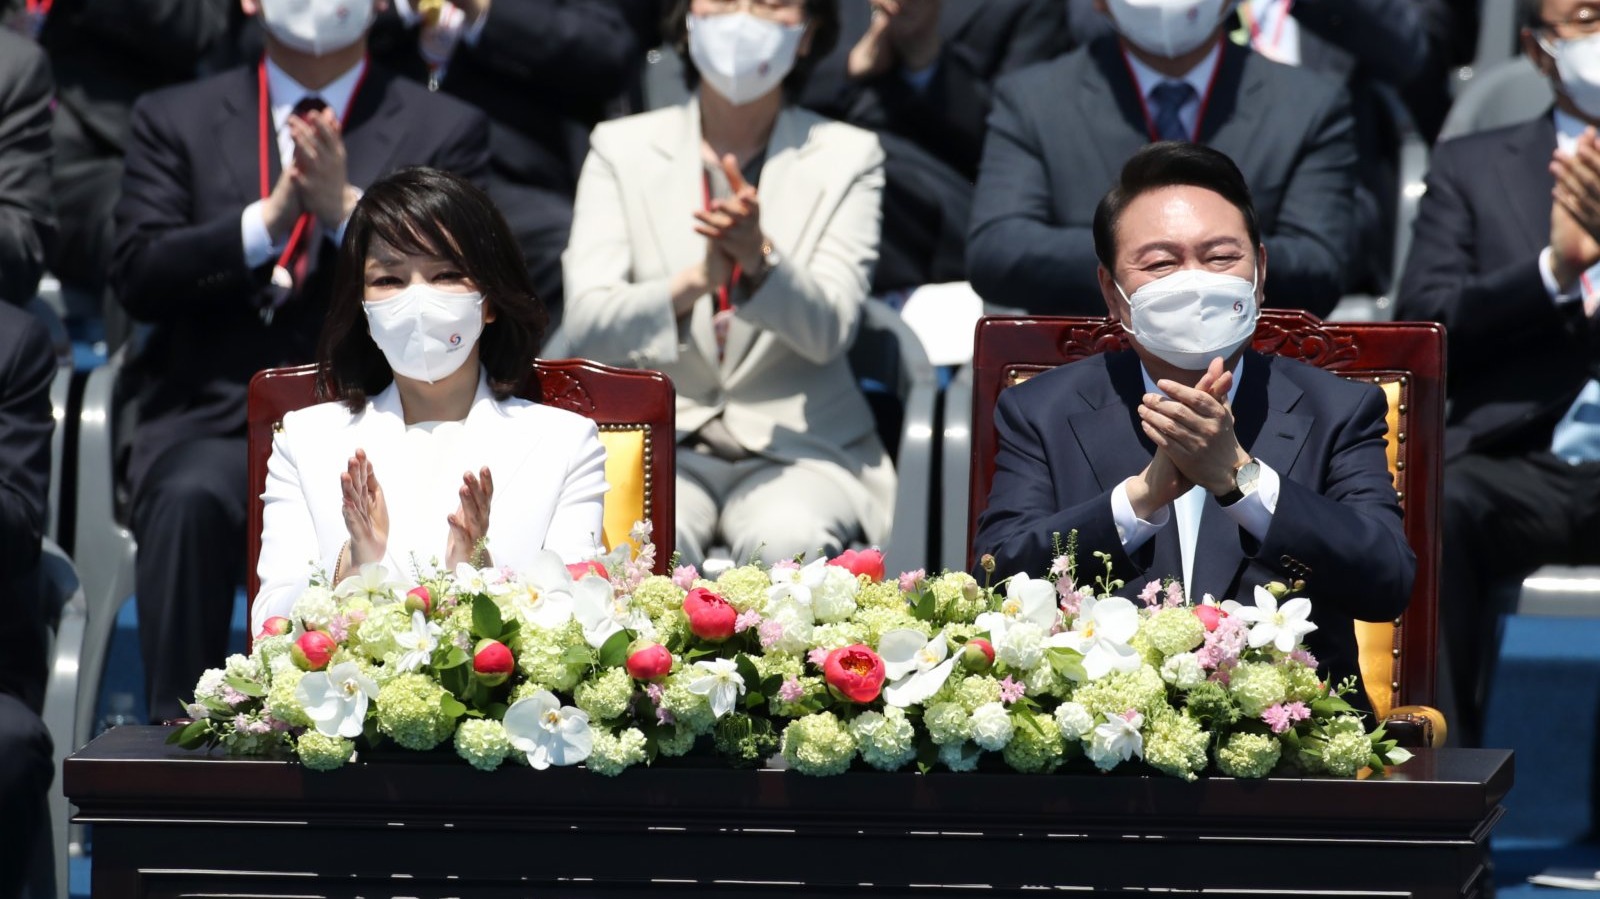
455 340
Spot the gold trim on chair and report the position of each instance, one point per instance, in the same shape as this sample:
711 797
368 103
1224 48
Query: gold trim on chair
1378 643
628 476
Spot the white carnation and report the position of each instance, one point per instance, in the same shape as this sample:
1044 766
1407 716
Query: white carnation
834 599
991 726
1021 645
795 619
211 684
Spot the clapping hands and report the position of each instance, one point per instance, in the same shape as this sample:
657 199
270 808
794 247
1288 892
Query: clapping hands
469 523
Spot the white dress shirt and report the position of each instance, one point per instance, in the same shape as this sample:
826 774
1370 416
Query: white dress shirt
1253 513
1198 78
1573 439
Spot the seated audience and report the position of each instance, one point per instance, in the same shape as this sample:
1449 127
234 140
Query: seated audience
729 243
1191 455
544 73
27 365
432 327
225 242
1060 131
920 74
1513 275
27 222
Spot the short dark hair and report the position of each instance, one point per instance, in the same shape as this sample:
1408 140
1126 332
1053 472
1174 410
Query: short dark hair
426 211
1169 164
821 15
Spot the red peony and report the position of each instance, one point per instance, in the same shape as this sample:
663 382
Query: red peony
710 616
312 651
978 655
276 626
579 569
1210 616
418 599
856 671
650 663
858 562
492 662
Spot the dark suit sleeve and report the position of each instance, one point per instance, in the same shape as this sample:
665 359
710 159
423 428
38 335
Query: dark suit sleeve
1019 524
163 264
170 34
27 223
27 364
465 149
586 47
1350 535
1443 282
1311 246
1388 37
1016 254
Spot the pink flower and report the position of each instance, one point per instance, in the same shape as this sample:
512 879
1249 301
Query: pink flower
1282 716
710 616
856 672
275 626
746 620
1174 597
418 599
1131 716
817 656
339 628
1223 645
1061 568
910 579
579 569
790 690
770 632
232 696
655 692
786 565
1209 616
1304 657
650 662
1011 691
1151 594
492 662
861 561
684 576
312 651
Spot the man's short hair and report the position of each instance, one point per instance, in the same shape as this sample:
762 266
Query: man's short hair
1170 164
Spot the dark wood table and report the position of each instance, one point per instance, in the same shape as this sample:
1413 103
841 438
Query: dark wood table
169 822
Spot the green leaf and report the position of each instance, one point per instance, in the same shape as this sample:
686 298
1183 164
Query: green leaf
577 655
451 707
194 734
1329 706
926 606
510 630
247 687
747 670
614 654
1068 663
452 658
486 621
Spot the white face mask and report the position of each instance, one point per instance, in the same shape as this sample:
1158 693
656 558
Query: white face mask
318 27
426 333
1167 28
1190 317
1578 64
740 56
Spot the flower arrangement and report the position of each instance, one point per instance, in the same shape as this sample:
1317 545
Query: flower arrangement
820 664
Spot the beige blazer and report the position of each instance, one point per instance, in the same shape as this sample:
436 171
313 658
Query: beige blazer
784 387
549 484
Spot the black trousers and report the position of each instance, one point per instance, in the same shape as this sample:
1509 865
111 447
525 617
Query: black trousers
26 767
189 518
1504 517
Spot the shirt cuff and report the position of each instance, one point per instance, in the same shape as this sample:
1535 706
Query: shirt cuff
921 78
1547 274
258 246
1132 530
338 236
1254 512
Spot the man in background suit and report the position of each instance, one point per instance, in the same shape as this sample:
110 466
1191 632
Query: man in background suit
226 240
1060 132
920 73
27 221
1190 455
1513 277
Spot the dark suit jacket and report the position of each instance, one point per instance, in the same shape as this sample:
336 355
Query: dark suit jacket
179 261
1071 435
27 219
27 365
1516 359
1061 131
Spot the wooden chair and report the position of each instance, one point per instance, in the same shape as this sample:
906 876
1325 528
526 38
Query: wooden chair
634 409
1405 359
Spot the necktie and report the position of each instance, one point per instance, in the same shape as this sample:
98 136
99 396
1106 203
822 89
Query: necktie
1167 100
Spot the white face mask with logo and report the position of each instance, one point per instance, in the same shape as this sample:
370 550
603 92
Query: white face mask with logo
317 27
1167 28
1190 317
426 333
740 56
1578 64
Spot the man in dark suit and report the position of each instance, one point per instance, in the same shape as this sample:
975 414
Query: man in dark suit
226 239
1190 455
1060 131
921 73
27 221
1513 277
27 364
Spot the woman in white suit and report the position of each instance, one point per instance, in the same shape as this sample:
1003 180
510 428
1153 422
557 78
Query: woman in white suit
431 328
729 243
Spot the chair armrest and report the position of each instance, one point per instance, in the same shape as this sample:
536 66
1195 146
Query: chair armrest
1416 726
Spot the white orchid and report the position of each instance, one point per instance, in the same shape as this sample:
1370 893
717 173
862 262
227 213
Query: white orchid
1031 599
547 731
916 667
1115 741
336 699
603 613
371 583
721 684
418 643
1282 626
1101 633
542 596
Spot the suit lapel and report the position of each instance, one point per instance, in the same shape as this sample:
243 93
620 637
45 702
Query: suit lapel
374 127
1109 431
1113 118
238 133
675 187
1233 103
1527 177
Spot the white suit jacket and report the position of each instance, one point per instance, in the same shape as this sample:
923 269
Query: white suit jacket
549 482
784 386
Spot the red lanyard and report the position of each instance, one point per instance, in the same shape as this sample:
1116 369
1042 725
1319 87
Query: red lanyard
724 299
302 226
1277 30
1144 105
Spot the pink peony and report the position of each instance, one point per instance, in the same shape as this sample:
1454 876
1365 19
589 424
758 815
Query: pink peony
710 616
855 671
276 626
651 662
492 662
579 569
858 562
418 599
312 651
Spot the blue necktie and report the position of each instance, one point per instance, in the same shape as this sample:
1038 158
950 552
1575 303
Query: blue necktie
1577 435
1168 98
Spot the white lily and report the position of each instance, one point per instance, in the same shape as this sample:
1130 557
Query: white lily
1117 740
371 582
336 699
547 731
418 643
1282 626
722 685
916 668
603 613
1101 633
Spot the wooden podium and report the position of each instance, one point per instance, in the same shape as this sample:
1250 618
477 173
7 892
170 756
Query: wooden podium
169 822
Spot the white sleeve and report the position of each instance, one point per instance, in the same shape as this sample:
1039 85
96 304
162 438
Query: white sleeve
1547 274
1254 512
258 248
577 525
1131 529
289 547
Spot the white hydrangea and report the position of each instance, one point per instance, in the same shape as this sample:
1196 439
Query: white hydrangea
795 620
1074 720
315 607
960 756
243 666
211 684
1183 671
1021 645
834 599
991 726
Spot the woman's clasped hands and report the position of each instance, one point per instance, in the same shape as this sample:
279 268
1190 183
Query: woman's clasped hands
366 516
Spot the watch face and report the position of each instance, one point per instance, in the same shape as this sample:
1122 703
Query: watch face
1248 474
